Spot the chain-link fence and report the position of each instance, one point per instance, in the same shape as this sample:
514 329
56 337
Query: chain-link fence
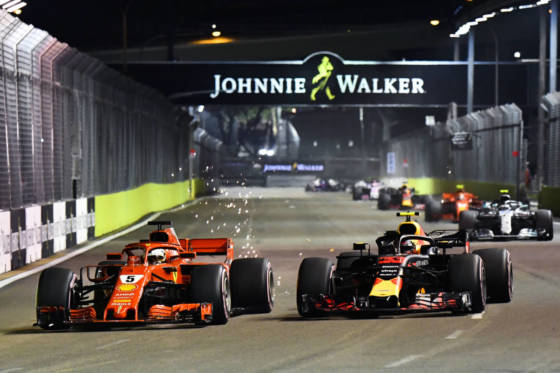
482 146
72 127
551 102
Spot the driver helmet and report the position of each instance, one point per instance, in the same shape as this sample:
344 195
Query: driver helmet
407 247
504 198
156 256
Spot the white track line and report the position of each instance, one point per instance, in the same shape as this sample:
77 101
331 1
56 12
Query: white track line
93 245
112 344
477 316
400 362
454 335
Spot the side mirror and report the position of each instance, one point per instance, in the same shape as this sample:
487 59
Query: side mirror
187 255
360 246
114 256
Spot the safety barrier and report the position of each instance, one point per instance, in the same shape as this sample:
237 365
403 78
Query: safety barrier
39 231
78 140
487 161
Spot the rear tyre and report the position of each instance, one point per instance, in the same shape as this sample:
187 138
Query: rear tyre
55 290
543 222
433 210
466 273
467 220
210 284
384 201
252 284
314 277
499 275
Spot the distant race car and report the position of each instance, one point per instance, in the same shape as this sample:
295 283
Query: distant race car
413 271
157 280
451 205
506 219
402 198
324 185
366 189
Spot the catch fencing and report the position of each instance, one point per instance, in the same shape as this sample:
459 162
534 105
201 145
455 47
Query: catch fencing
488 148
71 127
551 102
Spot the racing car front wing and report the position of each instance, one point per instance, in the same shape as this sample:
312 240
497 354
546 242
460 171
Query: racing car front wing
485 234
198 313
438 301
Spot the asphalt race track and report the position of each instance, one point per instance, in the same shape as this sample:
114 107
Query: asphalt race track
287 225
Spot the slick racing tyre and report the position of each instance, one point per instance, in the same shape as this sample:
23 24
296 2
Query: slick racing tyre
543 222
467 220
384 201
433 210
314 278
499 274
55 290
466 273
252 285
210 284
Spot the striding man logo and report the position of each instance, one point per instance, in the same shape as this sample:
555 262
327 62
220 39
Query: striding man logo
325 69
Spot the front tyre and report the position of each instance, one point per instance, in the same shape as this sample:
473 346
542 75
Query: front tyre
252 284
54 297
466 273
384 201
467 220
543 225
210 284
314 278
499 275
433 210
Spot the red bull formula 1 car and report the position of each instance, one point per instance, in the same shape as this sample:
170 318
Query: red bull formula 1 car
451 205
401 198
413 271
158 280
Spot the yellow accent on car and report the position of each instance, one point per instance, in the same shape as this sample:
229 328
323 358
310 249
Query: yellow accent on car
407 213
127 287
385 288
504 190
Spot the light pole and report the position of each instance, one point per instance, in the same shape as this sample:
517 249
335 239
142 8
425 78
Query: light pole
496 65
470 73
125 30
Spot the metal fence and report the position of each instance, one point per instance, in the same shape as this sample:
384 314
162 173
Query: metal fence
72 127
551 102
494 155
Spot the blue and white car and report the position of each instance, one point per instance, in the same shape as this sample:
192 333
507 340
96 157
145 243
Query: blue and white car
507 219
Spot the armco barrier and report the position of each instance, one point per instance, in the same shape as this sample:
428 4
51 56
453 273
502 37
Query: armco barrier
39 231
117 210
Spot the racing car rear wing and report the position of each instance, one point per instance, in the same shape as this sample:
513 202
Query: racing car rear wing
210 246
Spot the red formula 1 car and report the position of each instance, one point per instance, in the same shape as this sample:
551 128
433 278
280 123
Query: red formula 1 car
451 205
156 280
413 271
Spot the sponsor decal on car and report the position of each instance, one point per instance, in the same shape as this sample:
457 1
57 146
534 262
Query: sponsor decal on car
127 287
